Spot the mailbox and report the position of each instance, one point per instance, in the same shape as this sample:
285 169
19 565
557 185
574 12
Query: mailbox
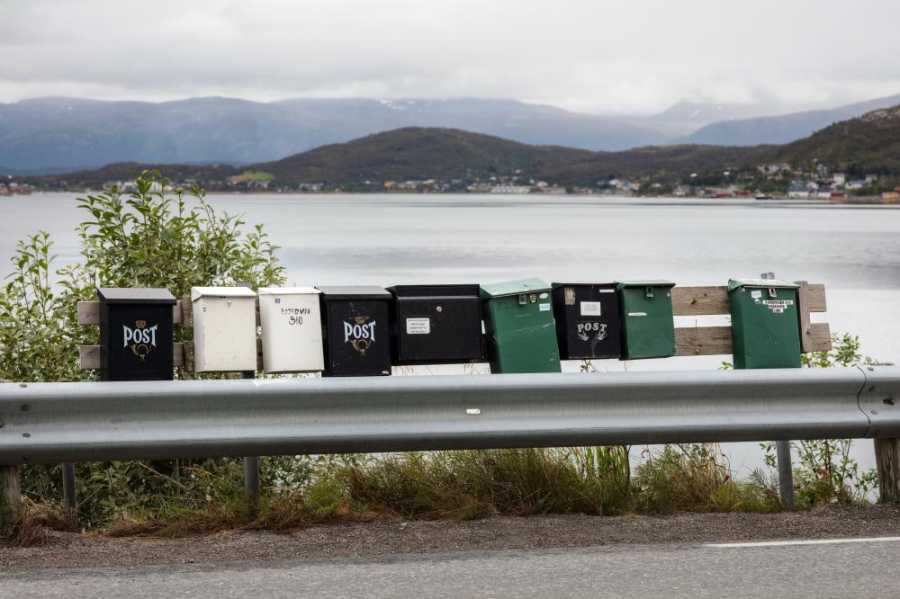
224 329
765 323
136 334
520 328
357 331
647 319
588 320
291 329
436 324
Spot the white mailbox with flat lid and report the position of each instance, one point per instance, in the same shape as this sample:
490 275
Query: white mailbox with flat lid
224 329
291 329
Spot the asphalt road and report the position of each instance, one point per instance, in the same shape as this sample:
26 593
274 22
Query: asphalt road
819 569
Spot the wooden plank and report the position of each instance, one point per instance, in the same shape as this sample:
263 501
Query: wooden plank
700 301
712 301
11 506
887 458
816 298
89 356
702 341
89 313
803 311
712 341
820 337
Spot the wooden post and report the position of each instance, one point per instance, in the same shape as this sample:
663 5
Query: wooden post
887 457
11 508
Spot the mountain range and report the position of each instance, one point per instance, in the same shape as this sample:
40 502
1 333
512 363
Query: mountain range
782 129
865 145
47 135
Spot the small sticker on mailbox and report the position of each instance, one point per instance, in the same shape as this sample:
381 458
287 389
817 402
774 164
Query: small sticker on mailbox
418 326
545 307
591 308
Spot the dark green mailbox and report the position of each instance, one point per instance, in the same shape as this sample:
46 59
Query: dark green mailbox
648 323
520 328
765 323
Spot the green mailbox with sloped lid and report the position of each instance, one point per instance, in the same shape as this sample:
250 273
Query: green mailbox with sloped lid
520 328
647 322
765 323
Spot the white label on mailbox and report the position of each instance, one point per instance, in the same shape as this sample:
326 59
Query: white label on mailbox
418 326
545 307
756 293
591 309
637 314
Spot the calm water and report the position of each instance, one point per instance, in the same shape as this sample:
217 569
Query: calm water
388 239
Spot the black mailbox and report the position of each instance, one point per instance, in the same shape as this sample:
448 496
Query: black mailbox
588 320
357 332
437 324
136 334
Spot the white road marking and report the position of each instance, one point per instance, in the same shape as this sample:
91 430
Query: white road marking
805 542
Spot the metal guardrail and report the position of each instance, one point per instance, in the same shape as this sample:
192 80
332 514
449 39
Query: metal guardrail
74 422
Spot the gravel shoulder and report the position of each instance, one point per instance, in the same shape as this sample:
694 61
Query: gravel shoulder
386 538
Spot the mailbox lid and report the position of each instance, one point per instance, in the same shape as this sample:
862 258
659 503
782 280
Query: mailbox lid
288 291
135 295
518 287
354 292
291 329
588 320
198 293
437 324
434 291
647 319
734 284
765 323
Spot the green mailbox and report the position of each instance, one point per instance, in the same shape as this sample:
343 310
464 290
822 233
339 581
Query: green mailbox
520 328
765 323
648 323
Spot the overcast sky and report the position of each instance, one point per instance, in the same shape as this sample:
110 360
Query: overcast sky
597 55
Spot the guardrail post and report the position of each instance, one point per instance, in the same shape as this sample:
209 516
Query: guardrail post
70 497
785 474
251 470
11 508
887 457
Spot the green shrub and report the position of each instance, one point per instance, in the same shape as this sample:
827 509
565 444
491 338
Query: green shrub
152 237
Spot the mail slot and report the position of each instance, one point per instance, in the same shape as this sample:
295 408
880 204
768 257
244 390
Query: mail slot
765 323
224 329
520 328
647 319
436 324
357 331
588 320
136 334
291 329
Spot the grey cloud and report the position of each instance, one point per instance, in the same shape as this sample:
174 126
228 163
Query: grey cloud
609 55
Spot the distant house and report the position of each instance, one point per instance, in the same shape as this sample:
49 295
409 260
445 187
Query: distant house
799 190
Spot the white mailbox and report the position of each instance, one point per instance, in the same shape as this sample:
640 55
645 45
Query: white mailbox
291 329
224 329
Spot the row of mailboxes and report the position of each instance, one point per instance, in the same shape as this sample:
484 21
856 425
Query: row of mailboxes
519 326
